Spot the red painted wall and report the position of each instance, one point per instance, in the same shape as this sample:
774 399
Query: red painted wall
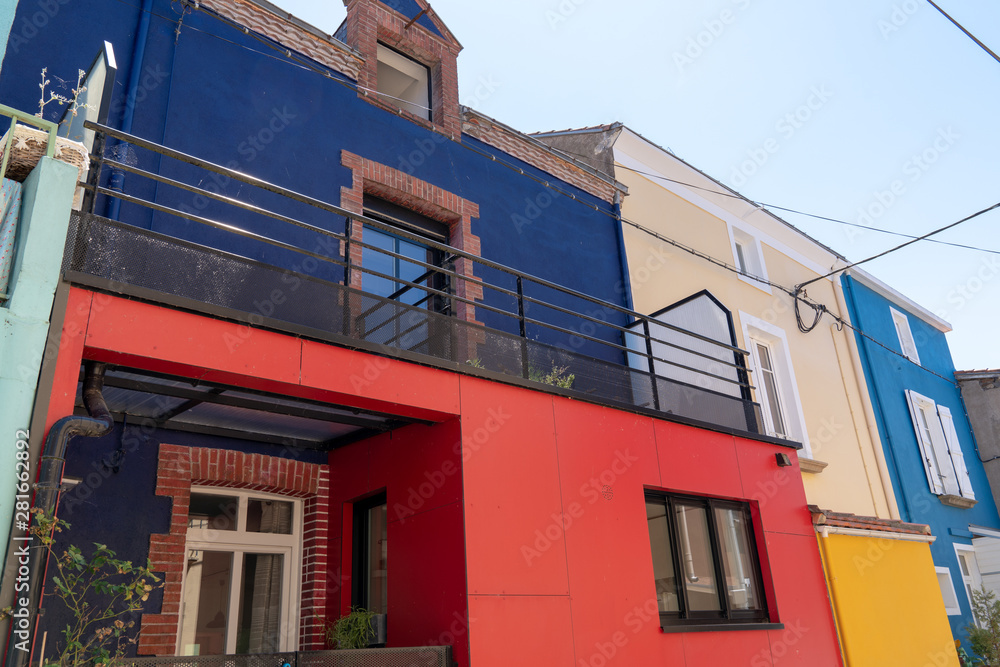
558 548
533 586
419 468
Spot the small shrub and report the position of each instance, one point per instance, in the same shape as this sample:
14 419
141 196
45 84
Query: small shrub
985 637
557 377
351 631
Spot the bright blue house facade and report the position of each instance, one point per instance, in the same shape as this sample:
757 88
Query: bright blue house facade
936 470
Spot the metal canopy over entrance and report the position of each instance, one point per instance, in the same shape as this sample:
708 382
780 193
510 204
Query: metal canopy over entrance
196 406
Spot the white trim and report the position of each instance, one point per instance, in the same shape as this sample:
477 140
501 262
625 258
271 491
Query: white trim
239 543
628 159
909 304
983 532
905 335
788 387
825 531
955 610
975 578
753 255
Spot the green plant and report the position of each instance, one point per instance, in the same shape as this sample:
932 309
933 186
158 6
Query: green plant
73 102
475 363
985 637
99 590
557 377
353 630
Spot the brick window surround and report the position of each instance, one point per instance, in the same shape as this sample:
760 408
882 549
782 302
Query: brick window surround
370 22
400 188
181 467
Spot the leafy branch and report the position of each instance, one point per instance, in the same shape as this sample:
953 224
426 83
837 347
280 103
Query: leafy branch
99 590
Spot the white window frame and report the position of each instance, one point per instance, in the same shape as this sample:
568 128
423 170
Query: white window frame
939 447
411 68
949 595
755 329
752 254
289 546
906 343
975 577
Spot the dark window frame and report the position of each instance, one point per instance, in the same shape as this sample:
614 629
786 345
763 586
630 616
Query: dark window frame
359 575
726 618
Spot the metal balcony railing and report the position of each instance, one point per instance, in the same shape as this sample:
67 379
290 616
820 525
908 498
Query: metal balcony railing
423 656
279 259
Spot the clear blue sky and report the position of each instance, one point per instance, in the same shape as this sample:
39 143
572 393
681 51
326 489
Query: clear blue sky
903 123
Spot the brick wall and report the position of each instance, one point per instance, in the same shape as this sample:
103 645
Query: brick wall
181 467
420 196
370 22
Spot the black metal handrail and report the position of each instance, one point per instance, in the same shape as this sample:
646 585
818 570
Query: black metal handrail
526 312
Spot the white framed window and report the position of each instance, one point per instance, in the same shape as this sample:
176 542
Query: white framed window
948 591
240 587
403 82
906 342
940 448
748 256
968 566
773 378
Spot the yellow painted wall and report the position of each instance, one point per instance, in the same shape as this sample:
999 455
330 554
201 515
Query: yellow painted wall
887 602
830 394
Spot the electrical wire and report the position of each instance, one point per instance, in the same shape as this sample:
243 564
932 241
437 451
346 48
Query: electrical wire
797 293
967 33
901 246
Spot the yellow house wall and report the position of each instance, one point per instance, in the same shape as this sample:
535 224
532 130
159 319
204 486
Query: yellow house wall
887 602
830 396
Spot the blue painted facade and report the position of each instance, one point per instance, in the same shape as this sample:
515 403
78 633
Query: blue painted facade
208 89
889 375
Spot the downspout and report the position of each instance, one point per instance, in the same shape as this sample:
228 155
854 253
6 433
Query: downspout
134 76
823 537
866 402
97 424
622 255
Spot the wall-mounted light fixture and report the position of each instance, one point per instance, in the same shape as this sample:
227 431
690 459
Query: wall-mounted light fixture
783 460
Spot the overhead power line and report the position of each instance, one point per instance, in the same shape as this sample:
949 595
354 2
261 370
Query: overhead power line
969 34
293 59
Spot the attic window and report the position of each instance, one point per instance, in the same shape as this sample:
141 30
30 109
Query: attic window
403 82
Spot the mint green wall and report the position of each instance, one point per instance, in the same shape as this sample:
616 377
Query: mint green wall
24 324
7 9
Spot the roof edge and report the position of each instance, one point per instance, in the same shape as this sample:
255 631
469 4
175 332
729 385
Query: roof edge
899 298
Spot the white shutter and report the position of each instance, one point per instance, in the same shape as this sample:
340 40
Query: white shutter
988 559
955 452
913 399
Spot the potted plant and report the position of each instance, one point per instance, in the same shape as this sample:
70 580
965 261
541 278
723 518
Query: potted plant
23 146
358 629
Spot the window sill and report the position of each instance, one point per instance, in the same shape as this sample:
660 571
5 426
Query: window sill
812 465
721 627
957 501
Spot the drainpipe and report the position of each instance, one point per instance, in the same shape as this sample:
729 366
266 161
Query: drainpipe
134 75
97 424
